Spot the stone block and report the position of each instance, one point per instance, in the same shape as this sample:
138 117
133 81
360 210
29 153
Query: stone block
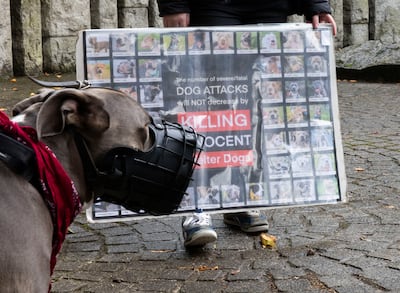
337 13
6 63
154 19
358 34
133 17
59 54
27 37
379 16
103 14
388 31
358 11
133 3
65 18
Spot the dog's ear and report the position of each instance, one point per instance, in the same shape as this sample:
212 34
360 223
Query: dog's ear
71 107
42 95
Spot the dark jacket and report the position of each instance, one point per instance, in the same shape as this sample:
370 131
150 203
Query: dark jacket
301 7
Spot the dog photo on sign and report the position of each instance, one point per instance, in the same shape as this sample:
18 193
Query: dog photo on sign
318 90
293 41
208 196
279 166
299 139
223 42
303 190
149 44
151 95
271 66
188 200
325 163
271 91
328 188
320 114
246 42
270 42
255 192
295 91
273 117
130 90
297 115
99 70
301 164
294 65
322 138
316 65
281 191
231 195
199 42
124 70
276 142
150 69
174 44
314 42
123 44
97 45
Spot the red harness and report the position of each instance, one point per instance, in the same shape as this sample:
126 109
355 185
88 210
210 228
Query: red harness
57 189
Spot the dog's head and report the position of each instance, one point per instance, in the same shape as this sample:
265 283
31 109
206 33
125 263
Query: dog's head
316 63
303 188
174 43
319 88
294 87
232 193
245 40
223 40
126 67
271 89
272 65
272 116
302 163
199 40
325 163
298 114
151 92
269 41
97 114
293 40
93 41
294 64
300 138
149 43
275 140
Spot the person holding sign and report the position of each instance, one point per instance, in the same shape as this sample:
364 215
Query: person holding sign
197 229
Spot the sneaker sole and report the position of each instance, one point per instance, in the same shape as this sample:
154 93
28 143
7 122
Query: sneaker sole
252 229
203 239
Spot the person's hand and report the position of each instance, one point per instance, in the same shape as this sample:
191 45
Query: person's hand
176 20
324 18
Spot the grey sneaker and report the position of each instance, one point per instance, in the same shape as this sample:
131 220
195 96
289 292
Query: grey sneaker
197 230
249 221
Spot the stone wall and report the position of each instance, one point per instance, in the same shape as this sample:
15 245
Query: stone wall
40 35
6 65
372 30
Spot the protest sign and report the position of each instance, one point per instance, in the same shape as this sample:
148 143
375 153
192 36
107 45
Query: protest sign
264 96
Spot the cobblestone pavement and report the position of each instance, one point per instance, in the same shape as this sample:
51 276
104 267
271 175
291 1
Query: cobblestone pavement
348 248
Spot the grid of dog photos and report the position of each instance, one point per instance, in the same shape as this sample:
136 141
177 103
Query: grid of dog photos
300 157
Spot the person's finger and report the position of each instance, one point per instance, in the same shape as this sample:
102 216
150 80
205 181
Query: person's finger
315 21
328 18
332 21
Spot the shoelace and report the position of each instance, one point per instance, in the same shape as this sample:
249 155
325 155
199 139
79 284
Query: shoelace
202 219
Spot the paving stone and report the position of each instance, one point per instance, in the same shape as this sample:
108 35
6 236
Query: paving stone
339 248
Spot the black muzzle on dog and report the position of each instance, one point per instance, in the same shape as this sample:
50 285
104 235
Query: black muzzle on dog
145 182
152 182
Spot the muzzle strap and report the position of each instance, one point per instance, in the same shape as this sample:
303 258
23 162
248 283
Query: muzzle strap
153 181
